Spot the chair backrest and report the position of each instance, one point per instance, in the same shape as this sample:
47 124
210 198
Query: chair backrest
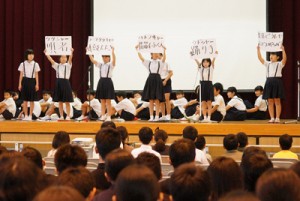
50 170
283 162
166 168
165 158
49 164
92 165
93 160
203 166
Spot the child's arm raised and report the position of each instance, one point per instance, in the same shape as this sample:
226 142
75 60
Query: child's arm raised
214 59
259 55
113 61
165 56
284 57
49 57
71 56
198 63
139 54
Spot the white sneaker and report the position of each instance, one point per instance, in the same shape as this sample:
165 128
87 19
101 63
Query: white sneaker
108 119
45 118
156 118
151 119
163 118
277 121
168 117
61 119
26 118
68 118
272 120
195 117
103 118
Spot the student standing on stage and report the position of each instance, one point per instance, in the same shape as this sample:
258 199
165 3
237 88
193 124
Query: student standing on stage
105 89
206 68
63 90
166 75
29 82
274 90
258 112
153 89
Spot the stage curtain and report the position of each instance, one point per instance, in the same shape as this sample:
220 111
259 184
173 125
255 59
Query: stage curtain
25 23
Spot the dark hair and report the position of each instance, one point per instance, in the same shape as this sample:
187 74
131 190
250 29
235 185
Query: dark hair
230 142
249 151
219 87
78 178
190 132
46 92
14 93
20 179
258 88
160 137
2 150
179 92
123 132
108 124
242 139
91 92
145 135
116 161
225 176
121 94
137 182
239 195
285 141
253 166
200 142
107 139
59 193
182 151
278 184
190 182
137 92
28 52
232 90
75 92
296 168
206 59
8 91
69 156
33 155
278 54
60 138
151 161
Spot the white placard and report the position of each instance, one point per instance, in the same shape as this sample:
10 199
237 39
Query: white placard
203 48
99 45
270 41
151 43
58 45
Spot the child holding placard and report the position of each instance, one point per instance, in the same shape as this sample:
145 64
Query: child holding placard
105 89
153 89
206 68
29 82
63 90
273 90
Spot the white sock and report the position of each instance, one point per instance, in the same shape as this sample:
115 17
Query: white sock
208 118
151 116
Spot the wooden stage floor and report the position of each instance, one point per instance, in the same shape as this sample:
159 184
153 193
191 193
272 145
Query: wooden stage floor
252 128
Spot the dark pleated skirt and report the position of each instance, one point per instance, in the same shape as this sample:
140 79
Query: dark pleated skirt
153 88
28 92
105 89
62 91
273 88
168 87
207 91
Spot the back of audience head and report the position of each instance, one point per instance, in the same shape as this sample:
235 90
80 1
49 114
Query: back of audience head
59 193
239 195
124 133
151 161
200 142
115 162
242 139
182 151
160 137
137 182
80 179
296 168
249 151
69 156
230 142
190 182
190 132
2 150
278 184
34 155
109 124
145 135
285 142
60 138
225 175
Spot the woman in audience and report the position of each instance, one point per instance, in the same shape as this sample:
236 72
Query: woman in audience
59 193
125 138
60 138
161 137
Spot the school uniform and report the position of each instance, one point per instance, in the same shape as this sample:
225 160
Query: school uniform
10 110
191 109
43 101
64 109
105 88
207 89
237 112
274 85
128 109
153 88
178 111
220 113
28 92
37 110
63 90
95 111
144 114
164 74
261 113
77 107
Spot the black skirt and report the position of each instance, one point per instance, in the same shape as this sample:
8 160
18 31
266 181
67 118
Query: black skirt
63 91
105 89
273 88
207 91
153 88
28 92
168 86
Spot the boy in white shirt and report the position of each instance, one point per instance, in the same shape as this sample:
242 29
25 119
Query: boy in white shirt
45 102
8 106
92 107
125 108
178 105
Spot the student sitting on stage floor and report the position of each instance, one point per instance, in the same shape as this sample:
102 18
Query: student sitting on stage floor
286 142
137 99
36 111
235 109
60 138
7 106
45 102
259 110
124 108
76 104
54 110
142 107
191 106
178 110
18 101
91 107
